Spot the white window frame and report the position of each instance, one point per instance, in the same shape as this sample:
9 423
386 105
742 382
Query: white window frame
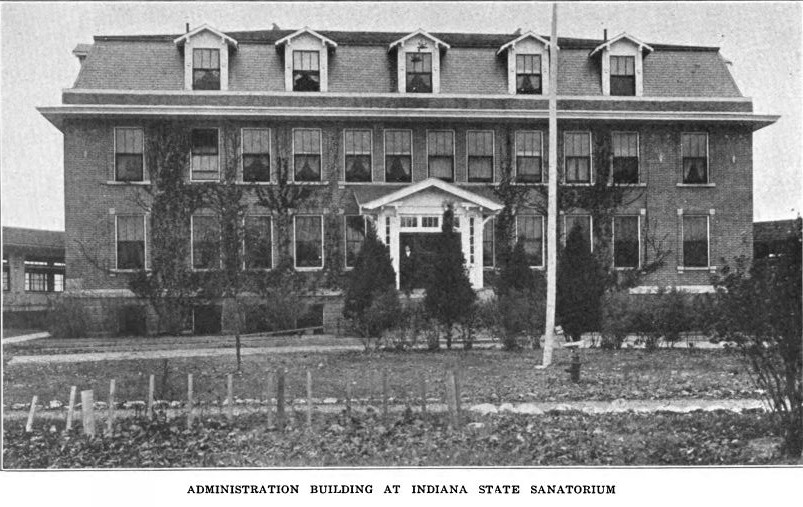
270 156
272 256
144 240
219 150
145 180
590 227
454 155
385 157
516 156
590 158
493 156
709 179
371 168
192 244
540 73
638 155
613 243
293 148
345 240
682 266
295 246
543 239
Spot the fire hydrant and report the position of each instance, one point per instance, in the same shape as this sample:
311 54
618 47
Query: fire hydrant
574 367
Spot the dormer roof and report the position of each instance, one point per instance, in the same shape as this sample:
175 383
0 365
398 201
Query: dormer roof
528 35
423 33
205 28
607 44
306 30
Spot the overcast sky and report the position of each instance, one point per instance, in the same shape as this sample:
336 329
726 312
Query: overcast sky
763 40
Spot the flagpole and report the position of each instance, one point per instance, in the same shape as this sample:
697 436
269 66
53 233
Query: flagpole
552 209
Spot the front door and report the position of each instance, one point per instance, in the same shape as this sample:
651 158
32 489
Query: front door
416 256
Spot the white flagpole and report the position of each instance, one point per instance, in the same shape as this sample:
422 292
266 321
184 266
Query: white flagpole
552 210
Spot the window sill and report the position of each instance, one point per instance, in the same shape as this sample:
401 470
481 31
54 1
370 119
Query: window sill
538 268
527 184
341 183
255 183
633 268
128 183
711 269
309 269
128 271
697 185
309 183
193 182
257 270
577 184
628 185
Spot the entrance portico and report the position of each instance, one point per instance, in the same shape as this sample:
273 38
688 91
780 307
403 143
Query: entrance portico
418 209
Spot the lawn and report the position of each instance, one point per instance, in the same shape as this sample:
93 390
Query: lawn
493 376
554 439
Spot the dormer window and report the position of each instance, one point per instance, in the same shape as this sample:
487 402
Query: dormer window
621 64
419 72
528 74
418 62
306 61
206 69
623 75
306 71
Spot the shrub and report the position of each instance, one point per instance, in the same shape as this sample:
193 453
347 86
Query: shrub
521 318
383 314
409 325
67 318
617 320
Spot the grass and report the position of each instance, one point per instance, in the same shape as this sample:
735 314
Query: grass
491 376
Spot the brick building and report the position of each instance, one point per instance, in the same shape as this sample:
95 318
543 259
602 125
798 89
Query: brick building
399 123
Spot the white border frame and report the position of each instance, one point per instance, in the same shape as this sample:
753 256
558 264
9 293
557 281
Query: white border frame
635 58
454 155
144 240
219 50
295 246
345 243
590 158
371 153
541 61
144 180
543 239
192 243
708 266
516 156
385 157
219 150
613 243
241 178
272 256
708 178
638 155
293 154
321 87
493 157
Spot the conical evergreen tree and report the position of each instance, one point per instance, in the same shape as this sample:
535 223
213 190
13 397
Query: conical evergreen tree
515 273
581 285
449 296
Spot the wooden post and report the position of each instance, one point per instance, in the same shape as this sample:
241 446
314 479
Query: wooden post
309 400
280 398
31 413
151 387
451 400
88 412
229 398
71 408
348 397
189 400
423 395
110 418
270 396
385 394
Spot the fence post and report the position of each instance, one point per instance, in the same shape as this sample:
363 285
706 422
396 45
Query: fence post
88 412
31 413
348 397
110 418
270 397
151 387
309 400
451 399
71 409
229 398
385 394
423 395
280 398
189 400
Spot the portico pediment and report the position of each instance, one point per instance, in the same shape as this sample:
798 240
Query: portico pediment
431 193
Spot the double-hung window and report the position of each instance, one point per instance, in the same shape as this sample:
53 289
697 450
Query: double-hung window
6 275
626 241
355 235
128 153
480 146
205 161
625 158
528 74
257 242
488 249
306 71
583 224
206 69
357 155
205 242
695 241
623 75
307 155
398 156
419 72
440 154
694 148
256 155
131 242
577 155
530 232
309 241
528 157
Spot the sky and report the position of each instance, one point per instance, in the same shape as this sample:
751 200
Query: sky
762 39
